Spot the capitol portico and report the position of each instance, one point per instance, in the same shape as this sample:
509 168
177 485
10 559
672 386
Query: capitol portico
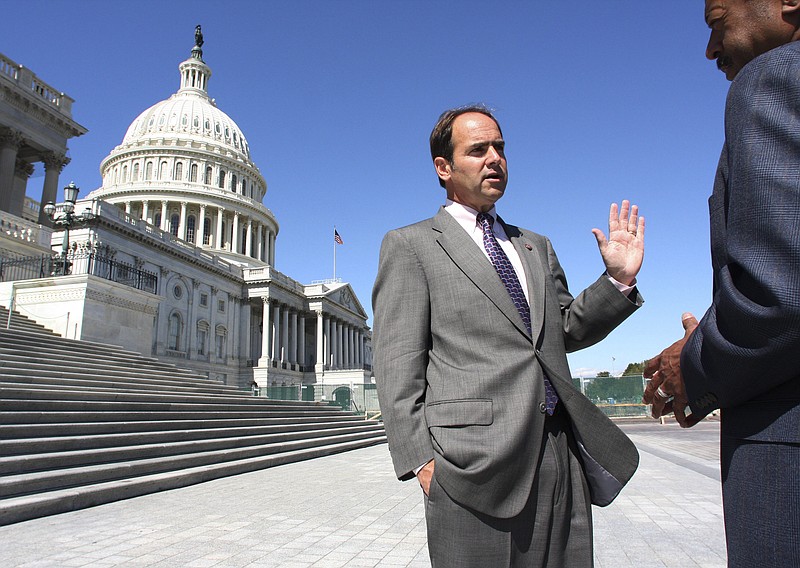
181 202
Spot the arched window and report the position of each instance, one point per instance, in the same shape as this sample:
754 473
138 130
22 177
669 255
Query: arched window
202 338
157 220
190 225
178 171
174 223
162 170
148 171
193 173
209 173
234 183
174 333
124 173
220 341
135 172
222 179
207 230
244 186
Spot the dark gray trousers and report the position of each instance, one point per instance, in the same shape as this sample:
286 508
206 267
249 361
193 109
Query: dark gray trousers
554 530
761 498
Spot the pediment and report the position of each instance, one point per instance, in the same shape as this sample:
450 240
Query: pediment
342 294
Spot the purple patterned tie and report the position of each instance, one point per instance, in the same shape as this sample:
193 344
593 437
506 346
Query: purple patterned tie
509 277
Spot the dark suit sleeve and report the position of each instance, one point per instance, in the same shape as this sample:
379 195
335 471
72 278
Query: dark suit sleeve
401 340
748 341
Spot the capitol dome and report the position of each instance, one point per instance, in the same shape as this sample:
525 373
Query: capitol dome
185 167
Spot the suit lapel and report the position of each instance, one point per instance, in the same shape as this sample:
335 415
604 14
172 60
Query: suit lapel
534 274
469 258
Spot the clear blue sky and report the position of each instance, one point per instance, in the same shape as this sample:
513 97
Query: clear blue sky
598 101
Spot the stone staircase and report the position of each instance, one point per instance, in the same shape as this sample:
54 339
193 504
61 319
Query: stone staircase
83 424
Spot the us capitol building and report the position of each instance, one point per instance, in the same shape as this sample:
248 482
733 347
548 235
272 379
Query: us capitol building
174 255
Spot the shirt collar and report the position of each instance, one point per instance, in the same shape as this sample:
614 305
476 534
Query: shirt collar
464 214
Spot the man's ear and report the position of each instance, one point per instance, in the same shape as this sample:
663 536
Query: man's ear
443 169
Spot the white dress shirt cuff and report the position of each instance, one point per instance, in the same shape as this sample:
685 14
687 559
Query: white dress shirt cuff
417 469
624 288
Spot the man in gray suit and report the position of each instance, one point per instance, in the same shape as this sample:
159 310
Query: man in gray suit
473 320
744 355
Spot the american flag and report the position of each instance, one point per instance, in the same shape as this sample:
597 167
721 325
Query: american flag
337 239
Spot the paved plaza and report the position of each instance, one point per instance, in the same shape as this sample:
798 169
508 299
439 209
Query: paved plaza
349 510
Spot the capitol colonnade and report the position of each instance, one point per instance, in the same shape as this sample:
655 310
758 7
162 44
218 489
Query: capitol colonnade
211 227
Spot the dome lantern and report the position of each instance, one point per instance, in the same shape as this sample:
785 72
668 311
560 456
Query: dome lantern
194 72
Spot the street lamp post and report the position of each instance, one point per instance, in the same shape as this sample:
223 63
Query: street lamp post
65 218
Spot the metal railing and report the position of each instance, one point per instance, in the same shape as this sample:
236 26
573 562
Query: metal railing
615 396
360 398
78 262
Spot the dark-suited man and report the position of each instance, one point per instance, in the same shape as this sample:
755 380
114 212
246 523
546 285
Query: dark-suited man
744 355
473 320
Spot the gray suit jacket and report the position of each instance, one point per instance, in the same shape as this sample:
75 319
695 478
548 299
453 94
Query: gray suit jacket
459 377
745 355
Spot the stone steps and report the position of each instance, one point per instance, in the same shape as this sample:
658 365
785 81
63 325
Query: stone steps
22 508
20 322
86 423
33 348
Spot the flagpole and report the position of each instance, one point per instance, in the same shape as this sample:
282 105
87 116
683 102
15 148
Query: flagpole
334 254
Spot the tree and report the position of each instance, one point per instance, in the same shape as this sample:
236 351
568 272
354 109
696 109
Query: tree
634 369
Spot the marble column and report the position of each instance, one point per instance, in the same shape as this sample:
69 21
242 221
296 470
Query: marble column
201 227
301 341
351 344
319 366
335 342
293 338
276 337
285 335
218 240
272 248
235 233
182 224
248 245
260 242
10 143
265 331
53 164
22 172
245 349
164 216
328 342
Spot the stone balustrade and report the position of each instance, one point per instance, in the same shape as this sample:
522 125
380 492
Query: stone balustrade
27 80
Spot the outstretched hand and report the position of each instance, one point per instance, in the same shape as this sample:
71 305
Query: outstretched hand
666 391
623 251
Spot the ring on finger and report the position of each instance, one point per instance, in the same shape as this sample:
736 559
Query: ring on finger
660 392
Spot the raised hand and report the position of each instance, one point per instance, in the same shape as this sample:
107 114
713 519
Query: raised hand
666 390
623 251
